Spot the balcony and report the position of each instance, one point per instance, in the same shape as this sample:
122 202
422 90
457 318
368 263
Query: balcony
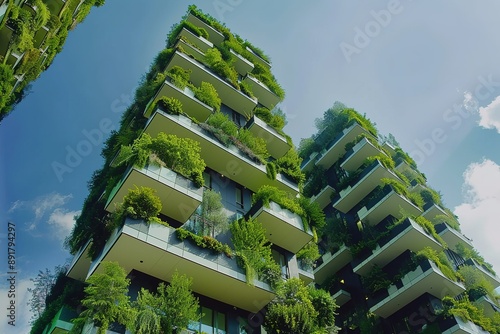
337 147
366 182
330 263
190 50
305 273
265 96
426 278
156 251
487 273
276 144
256 59
179 196
323 198
61 323
433 210
355 157
214 35
308 165
452 237
341 297
230 96
190 104
388 202
283 227
457 325
389 148
228 161
199 42
80 265
114 328
408 235
55 6
242 65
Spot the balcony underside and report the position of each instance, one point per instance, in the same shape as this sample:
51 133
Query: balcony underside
417 283
190 104
230 96
351 196
341 297
337 149
157 252
460 326
332 263
265 96
229 162
363 150
306 276
179 198
432 212
453 238
392 204
412 238
324 197
201 43
79 267
283 228
276 144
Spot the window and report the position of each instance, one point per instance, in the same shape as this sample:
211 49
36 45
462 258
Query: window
280 259
207 178
239 197
211 322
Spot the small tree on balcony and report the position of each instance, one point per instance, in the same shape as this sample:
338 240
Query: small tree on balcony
212 215
139 203
169 310
106 299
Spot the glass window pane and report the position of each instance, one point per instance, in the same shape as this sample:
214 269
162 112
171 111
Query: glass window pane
221 323
207 320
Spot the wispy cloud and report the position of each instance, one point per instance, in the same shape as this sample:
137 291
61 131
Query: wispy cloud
490 115
479 212
62 221
48 208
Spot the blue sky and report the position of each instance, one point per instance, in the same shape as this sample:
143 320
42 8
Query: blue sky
426 72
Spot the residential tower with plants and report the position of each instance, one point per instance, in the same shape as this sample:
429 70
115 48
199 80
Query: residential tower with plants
393 256
200 184
32 33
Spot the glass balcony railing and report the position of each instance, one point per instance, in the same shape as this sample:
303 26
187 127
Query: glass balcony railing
155 250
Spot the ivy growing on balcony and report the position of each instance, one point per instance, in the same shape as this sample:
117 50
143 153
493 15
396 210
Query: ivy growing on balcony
253 251
205 241
442 262
467 311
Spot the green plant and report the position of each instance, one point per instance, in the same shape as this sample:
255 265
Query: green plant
253 250
222 122
289 165
376 279
430 196
440 260
176 29
464 309
468 253
170 105
222 67
263 74
171 308
212 215
271 170
140 203
179 76
308 254
106 298
256 144
207 94
429 228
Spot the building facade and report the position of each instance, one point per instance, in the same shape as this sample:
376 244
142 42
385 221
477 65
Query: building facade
204 126
393 256
32 32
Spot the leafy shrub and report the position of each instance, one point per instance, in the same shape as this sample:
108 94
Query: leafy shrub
429 228
220 66
263 74
180 76
207 94
289 165
256 144
221 121
376 279
440 260
308 254
170 105
271 170
176 29
140 203
430 196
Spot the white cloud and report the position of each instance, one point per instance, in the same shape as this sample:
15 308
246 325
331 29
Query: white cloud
23 314
43 206
479 213
62 222
490 115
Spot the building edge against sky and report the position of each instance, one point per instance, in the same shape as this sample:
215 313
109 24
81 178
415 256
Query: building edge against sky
370 195
32 32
